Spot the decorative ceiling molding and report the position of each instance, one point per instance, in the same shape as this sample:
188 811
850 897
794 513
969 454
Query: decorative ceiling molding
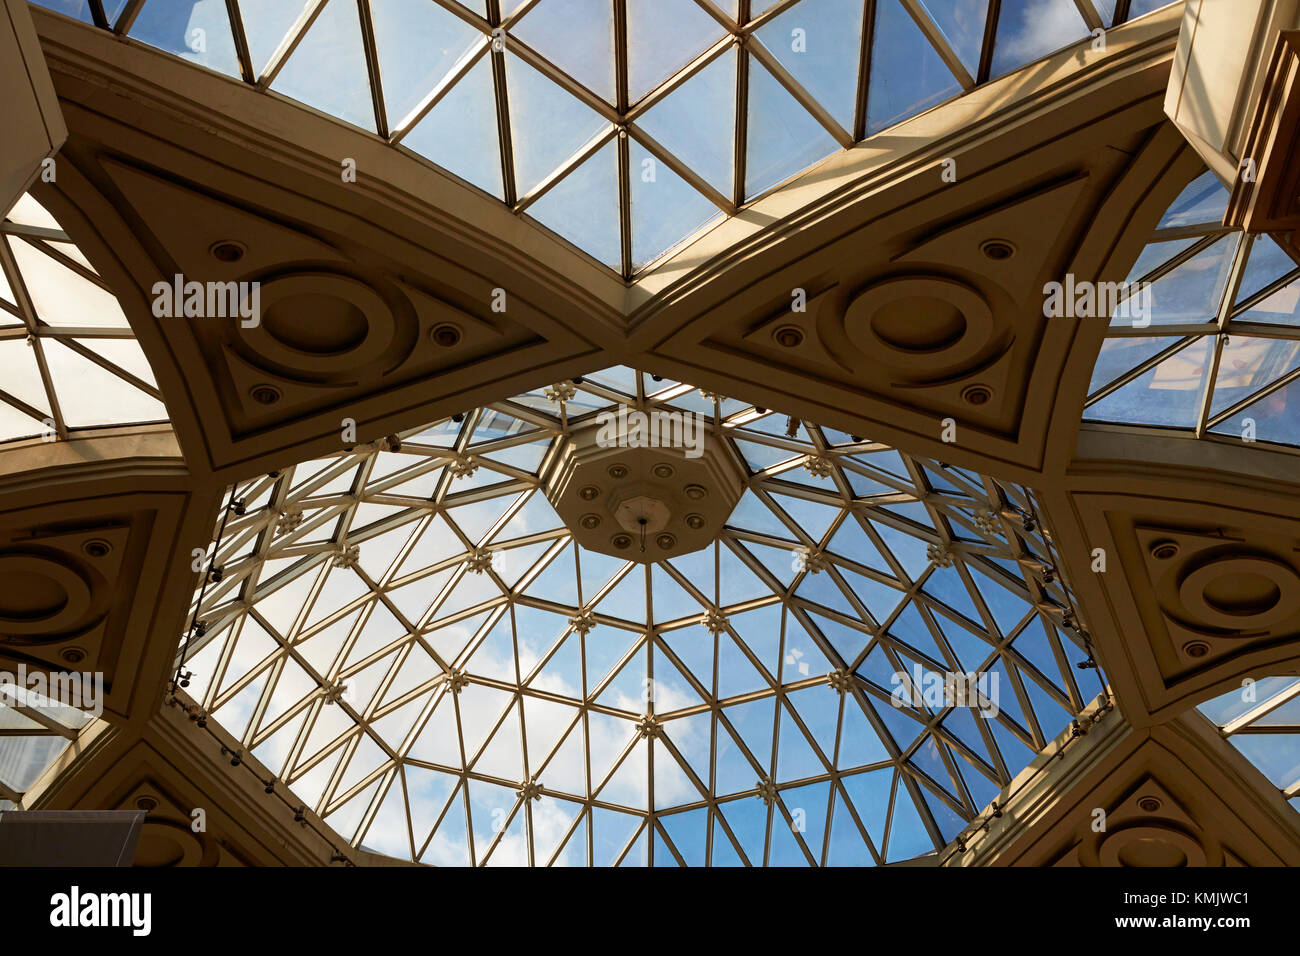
172 768
90 567
970 259
1185 592
1174 795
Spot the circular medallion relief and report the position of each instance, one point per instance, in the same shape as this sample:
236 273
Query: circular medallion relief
1241 593
40 596
320 323
920 322
1150 846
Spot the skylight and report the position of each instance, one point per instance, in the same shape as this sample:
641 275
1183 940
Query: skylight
69 357
1220 355
411 640
624 127
34 733
1262 720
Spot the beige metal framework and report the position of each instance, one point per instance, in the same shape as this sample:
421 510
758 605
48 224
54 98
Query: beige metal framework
1219 353
958 39
70 358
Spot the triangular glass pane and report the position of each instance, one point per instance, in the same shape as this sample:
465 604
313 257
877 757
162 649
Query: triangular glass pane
91 395
198 32
628 786
427 792
753 721
907 75
418 43
1281 307
627 599
611 832
1248 364
536 632
1266 264
562 672
821 589
666 209
846 845
908 836
628 690
672 691
748 820
671 785
795 757
782 563
736 581
820 43
566 770
807 807
1029 30
671 602
545 722
663 36
608 737
328 69
1190 294
479 709
494 658
504 755
694 648
547 125
266 25
869 795
1203 201
437 741
1272 419
736 674
848 642
61 296
449 640
460 132
22 377
1122 354
689 833
782 138
784 849
690 735
813 517
584 207
1168 394
450 843
347 818
724 851
490 807
558 581
962 24
578 37
697 121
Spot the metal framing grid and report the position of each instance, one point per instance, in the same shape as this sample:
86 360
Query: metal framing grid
37 332
315 535
497 41
33 734
1236 249
1265 720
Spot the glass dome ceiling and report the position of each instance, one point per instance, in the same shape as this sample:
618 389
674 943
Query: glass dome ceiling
411 640
69 357
624 126
1221 355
